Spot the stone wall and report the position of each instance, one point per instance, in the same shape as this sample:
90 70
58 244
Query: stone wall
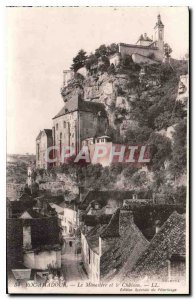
41 260
127 49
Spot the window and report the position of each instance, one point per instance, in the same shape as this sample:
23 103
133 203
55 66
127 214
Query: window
160 34
89 256
38 151
64 124
56 126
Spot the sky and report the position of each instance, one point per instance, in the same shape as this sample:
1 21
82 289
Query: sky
41 42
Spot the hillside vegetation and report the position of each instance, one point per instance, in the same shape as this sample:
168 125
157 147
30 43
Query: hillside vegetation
141 107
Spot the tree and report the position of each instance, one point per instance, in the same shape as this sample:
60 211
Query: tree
101 51
163 120
79 60
167 50
91 61
138 135
104 64
112 49
160 150
179 153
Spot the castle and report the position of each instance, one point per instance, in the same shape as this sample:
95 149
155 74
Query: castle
146 50
78 119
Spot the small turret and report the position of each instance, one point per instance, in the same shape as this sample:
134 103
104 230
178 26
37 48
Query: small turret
159 35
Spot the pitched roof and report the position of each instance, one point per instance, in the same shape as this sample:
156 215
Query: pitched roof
125 251
48 132
76 103
102 197
39 135
57 208
112 230
32 213
93 237
168 241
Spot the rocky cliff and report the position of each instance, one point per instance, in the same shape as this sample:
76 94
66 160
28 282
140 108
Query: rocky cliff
125 88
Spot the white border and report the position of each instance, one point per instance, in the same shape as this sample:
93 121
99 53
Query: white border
3 4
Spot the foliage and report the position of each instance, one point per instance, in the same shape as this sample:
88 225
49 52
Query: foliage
104 64
179 149
104 50
79 60
91 61
167 50
137 135
160 150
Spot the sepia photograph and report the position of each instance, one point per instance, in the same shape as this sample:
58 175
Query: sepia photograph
97 164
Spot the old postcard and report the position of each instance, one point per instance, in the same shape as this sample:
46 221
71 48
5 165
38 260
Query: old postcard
97 150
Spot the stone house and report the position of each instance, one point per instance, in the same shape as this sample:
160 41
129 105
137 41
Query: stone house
105 248
69 221
43 142
76 121
41 241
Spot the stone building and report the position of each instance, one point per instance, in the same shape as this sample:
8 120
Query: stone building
121 235
41 239
76 121
144 47
43 141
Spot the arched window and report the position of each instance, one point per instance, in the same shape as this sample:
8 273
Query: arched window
160 34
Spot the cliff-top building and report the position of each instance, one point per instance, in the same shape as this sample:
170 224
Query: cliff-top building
146 50
76 121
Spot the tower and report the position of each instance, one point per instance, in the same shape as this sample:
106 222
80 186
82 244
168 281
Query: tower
159 33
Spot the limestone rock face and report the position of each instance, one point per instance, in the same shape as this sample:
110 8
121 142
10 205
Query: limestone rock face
118 91
113 90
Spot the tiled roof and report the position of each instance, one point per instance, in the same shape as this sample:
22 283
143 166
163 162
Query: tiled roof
103 196
125 250
112 230
93 237
33 213
168 241
76 103
93 220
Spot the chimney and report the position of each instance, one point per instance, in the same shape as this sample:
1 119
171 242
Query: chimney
97 206
157 226
125 220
